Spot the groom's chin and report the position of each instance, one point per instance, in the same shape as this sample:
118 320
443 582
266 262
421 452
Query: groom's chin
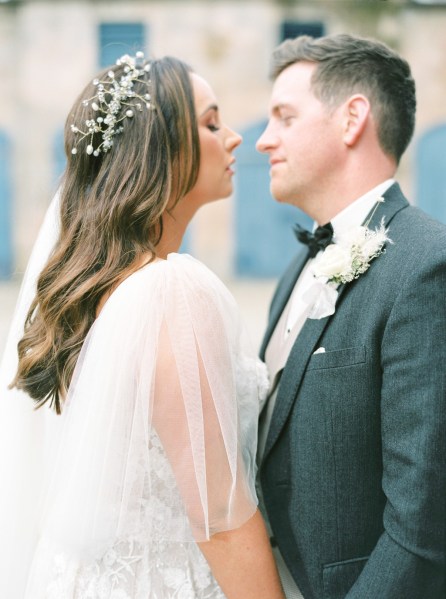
279 195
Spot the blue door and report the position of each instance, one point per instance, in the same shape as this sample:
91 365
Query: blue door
265 242
59 158
431 172
5 208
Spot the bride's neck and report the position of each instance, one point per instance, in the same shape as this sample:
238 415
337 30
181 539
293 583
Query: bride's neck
174 227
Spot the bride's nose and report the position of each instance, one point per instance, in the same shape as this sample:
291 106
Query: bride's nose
232 140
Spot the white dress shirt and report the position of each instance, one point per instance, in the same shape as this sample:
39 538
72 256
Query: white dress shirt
352 216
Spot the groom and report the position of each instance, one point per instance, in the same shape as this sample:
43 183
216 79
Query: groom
353 437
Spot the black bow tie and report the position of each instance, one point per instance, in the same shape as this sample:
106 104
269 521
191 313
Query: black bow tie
315 241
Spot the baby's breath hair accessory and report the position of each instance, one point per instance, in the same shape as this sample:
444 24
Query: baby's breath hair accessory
114 102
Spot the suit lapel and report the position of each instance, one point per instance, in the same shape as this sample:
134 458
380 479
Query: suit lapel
312 330
293 373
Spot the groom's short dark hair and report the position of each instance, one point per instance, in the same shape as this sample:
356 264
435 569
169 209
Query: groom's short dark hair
347 64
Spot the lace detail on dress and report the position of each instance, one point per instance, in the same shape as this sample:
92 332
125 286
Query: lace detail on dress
145 566
129 571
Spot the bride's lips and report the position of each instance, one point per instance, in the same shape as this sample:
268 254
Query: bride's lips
228 168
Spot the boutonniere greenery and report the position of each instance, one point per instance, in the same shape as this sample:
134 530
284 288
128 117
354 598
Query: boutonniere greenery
342 262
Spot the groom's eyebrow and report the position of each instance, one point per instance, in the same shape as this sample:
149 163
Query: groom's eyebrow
213 107
282 106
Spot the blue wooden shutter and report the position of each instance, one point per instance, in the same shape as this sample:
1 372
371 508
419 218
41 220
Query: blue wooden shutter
5 208
116 39
59 159
265 242
431 172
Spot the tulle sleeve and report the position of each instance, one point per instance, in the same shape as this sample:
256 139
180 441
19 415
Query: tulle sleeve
159 433
195 408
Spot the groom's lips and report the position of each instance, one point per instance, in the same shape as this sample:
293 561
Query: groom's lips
274 161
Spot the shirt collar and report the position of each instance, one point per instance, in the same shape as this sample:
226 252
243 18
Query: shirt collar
356 212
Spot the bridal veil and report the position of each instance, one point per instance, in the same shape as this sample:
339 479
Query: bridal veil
24 434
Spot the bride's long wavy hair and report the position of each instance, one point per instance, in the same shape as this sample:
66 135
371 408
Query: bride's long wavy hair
111 216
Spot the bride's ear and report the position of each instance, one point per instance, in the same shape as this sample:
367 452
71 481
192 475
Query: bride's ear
356 115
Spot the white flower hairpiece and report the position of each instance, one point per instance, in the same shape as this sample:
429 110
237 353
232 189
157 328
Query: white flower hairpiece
343 262
113 96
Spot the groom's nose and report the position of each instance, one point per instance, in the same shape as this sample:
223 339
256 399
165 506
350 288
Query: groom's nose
266 141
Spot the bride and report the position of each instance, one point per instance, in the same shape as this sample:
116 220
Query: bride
133 477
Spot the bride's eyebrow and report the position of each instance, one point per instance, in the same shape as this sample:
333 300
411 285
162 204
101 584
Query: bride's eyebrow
213 107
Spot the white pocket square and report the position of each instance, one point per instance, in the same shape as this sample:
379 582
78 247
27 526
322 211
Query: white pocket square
320 350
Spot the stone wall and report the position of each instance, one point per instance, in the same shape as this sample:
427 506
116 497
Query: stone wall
49 50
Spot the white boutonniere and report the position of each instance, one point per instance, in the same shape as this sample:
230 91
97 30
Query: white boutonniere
343 262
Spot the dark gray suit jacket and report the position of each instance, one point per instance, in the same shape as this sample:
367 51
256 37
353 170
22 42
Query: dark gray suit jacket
354 468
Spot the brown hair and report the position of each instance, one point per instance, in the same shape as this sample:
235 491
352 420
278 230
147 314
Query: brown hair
111 215
348 64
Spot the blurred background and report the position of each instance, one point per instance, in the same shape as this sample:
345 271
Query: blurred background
49 49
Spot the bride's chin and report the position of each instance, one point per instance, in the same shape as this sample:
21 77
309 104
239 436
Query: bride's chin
197 200
227 193
214 198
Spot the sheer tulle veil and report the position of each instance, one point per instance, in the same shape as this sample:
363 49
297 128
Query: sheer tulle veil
24 435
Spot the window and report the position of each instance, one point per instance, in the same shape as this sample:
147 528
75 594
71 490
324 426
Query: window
291 29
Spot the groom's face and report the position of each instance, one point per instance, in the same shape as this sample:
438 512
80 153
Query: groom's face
302 139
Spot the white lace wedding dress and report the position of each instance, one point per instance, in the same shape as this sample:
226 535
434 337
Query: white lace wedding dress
156 443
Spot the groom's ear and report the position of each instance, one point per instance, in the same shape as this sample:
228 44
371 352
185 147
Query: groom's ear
356 115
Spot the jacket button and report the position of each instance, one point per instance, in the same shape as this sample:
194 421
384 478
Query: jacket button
273 541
